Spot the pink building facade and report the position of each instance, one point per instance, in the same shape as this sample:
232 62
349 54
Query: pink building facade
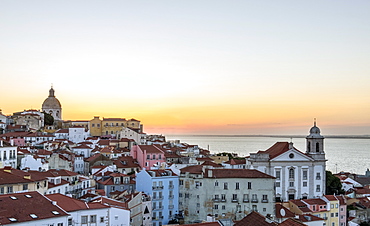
148 156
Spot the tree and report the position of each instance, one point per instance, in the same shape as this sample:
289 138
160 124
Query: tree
48 119
333 184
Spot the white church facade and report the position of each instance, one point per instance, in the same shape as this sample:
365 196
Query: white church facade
298 175
52 106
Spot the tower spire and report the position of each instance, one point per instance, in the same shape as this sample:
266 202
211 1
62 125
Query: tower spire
314 121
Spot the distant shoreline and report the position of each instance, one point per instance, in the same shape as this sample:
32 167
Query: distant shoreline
280 136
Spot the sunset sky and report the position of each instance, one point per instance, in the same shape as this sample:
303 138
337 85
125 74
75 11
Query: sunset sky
194 66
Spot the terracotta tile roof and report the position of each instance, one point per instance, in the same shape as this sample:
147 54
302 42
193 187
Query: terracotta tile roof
150 149
254 219
330 197
309 218
283 212
112 203
342 200
103 142
292 222
236 161
277 149
14 177
62 131
161 173
236 173
315 201
301 205
126 162
23 205
62 172
195 169
44 152
70 204
82 146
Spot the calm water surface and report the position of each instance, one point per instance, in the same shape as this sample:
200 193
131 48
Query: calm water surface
351 155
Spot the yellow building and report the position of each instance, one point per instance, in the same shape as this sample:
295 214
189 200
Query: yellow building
112 126
15 181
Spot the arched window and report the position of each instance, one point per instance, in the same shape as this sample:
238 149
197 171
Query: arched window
291 173
309 146
317 147
57 114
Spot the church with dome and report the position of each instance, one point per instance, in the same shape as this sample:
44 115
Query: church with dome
299 175
52 106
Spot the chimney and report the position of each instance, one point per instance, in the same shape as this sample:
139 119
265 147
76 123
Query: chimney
8 169
290 145
27 176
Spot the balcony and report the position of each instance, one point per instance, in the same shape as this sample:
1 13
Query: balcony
170 196
254 200
157 187
171 206
234 200
157 207
216 200
264 201
223 200
245 200
158 198
171 187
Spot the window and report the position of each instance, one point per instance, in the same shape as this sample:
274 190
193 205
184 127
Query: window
318 177
223 207
336 205
249 185
98 125
1 190
93 219
225 185
332 215
254 198
246 198
223 197
277 184
216 183
216 207
304 183
153 156
181 182
69 221
83 219
198 204
332 206
318 188
291 184
291 173
235 197
25 187
93 125
237 186
10 189
277 174
264 198
254 207
101 219
147 156
159 156
304 174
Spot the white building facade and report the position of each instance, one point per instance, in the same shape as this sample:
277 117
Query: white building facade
298 175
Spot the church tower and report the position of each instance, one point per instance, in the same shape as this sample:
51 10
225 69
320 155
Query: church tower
52 106
315 143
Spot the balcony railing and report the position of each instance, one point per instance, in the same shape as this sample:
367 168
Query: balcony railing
216 200
171 197
264 200
157 187
171 186
254 200
234 200
171 206
223 200
245 200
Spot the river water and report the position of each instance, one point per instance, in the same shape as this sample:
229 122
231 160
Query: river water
343 154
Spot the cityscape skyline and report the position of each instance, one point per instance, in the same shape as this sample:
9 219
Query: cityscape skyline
209 67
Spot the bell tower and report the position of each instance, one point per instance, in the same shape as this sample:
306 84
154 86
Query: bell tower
315 143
